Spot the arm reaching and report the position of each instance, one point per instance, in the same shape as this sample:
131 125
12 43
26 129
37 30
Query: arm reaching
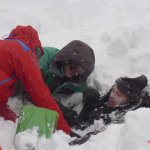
27 70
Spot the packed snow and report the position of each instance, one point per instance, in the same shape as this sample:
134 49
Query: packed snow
119 33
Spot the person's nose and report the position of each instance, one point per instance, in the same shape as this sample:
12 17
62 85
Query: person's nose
113 94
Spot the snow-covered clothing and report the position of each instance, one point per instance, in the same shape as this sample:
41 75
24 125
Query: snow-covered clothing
18 61
114 115
129 87
109 115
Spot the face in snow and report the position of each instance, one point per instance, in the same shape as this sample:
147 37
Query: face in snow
116 98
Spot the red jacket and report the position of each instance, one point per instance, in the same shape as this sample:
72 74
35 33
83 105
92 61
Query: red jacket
17 61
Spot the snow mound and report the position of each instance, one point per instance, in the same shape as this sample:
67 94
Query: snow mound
135 133
117 48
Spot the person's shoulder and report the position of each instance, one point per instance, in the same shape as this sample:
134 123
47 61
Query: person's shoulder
50 49
50 52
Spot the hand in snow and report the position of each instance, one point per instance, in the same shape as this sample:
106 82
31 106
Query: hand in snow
72 119
91 94
72 134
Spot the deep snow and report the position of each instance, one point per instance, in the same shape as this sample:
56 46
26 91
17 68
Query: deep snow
119 33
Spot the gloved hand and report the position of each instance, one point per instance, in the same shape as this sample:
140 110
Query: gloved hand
84 114
86 111
6 112
91 94
72 120
70 115
72 134
91 98
90 101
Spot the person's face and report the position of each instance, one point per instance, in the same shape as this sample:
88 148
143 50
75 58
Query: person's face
116 98
68 72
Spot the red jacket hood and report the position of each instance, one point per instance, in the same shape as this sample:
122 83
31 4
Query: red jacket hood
26 34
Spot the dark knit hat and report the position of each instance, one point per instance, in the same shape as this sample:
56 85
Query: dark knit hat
131 87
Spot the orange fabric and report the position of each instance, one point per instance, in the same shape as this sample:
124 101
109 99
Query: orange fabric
24 65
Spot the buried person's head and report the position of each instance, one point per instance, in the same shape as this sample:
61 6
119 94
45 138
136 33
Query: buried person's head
127 90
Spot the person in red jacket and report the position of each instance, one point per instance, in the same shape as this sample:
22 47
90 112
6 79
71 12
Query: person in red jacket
18 60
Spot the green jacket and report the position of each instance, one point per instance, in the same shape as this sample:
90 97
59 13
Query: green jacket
44 64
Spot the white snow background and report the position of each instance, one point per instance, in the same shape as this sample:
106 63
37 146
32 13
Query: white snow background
119 33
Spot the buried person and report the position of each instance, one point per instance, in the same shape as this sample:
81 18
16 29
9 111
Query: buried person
125 95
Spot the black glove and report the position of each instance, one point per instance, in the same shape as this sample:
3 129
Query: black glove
91 98
70 115
84 114
91 94
72 134
86 111
90 101
72 119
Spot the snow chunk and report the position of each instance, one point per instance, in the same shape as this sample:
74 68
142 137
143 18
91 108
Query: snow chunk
135 132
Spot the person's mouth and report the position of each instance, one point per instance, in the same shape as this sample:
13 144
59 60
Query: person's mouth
111 102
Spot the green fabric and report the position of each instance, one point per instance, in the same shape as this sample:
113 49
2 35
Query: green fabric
49 53
43 118
71 87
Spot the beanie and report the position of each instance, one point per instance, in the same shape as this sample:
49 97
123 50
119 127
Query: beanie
131 87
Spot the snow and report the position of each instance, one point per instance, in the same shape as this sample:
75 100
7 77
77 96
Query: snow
136 127
119 33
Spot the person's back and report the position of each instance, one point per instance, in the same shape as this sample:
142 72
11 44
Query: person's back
14 55
18 61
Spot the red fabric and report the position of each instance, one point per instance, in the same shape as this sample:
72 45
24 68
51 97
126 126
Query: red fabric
13 60
6 112
27 35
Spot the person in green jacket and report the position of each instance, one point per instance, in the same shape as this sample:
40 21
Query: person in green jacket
65 71
50 74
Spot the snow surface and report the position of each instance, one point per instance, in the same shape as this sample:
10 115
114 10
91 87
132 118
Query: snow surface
119 33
